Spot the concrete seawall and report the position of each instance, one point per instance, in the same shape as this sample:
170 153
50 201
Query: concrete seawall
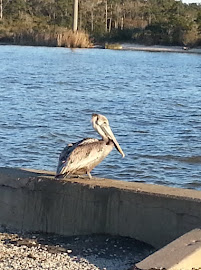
34 201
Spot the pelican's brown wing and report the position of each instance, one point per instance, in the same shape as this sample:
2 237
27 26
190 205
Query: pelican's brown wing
66 156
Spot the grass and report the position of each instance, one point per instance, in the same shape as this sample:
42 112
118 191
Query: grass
71 39
44 36
60 38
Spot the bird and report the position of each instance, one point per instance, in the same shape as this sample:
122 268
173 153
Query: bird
82 157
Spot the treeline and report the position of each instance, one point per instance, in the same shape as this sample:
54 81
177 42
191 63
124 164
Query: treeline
164 22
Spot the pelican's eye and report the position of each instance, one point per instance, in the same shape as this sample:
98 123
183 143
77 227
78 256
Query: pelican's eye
104 123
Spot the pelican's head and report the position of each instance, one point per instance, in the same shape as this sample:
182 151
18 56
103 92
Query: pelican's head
101 125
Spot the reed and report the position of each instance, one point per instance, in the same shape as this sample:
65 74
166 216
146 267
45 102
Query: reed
6 35
59 37
71 39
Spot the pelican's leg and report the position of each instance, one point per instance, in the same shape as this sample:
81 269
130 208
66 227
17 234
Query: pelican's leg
60 176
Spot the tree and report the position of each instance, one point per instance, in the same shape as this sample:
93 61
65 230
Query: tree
151 21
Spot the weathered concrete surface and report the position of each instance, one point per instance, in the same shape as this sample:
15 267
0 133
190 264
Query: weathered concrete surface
182 254
35 201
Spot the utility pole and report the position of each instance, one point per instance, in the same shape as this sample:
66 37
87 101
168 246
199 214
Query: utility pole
75 15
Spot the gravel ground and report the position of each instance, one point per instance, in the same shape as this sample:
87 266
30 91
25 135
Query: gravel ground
95 252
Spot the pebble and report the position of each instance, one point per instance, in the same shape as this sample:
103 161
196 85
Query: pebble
20 252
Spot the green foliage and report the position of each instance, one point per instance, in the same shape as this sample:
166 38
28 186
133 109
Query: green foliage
150 22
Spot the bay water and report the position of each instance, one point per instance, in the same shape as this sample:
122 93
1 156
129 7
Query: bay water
152 101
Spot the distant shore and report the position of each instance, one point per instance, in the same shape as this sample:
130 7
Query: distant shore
151 48
159 48
137 47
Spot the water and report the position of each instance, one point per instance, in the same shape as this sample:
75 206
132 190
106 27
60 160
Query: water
152 100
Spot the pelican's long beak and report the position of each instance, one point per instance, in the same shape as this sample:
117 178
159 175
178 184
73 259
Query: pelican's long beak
108 132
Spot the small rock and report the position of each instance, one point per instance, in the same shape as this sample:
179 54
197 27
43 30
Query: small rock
31 256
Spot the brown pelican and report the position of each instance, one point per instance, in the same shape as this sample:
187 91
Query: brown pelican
81 157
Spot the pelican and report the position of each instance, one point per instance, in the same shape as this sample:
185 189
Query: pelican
81 157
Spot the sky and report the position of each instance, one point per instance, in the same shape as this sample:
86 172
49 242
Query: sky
191 1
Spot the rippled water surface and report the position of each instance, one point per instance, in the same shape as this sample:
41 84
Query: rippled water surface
152 100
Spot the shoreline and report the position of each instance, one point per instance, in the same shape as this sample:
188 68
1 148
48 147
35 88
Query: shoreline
89 224
160 48
129 47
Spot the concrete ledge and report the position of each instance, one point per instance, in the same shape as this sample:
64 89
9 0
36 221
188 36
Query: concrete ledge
182 254
35 201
